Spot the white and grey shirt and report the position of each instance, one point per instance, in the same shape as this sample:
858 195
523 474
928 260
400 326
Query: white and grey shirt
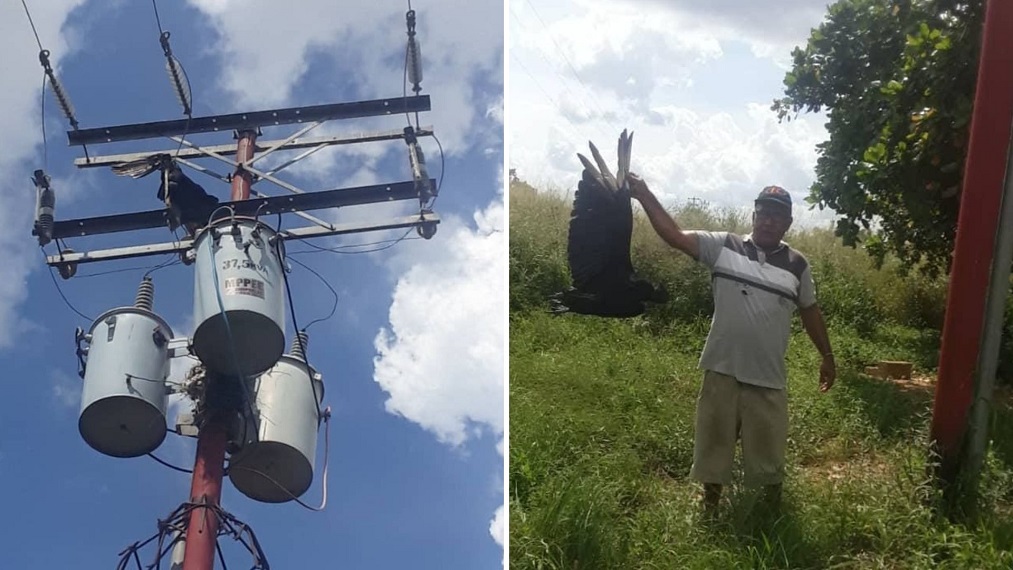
755 294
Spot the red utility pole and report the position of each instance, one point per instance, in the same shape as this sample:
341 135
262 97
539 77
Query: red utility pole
209 466
980 205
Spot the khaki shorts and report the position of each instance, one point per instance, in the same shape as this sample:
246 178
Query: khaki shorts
728 409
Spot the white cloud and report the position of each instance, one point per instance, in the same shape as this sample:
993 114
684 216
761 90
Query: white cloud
19 123
460 40
66 390
497 528
441 360
684 77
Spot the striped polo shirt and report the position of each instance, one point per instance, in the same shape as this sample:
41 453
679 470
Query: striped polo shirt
755 294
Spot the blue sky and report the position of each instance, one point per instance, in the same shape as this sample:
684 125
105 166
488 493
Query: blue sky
413 358
693 80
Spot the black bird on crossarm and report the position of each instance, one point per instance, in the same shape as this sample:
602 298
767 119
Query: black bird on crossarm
186 202
598 245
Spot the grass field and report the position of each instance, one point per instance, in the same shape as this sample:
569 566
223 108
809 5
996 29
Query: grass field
601 424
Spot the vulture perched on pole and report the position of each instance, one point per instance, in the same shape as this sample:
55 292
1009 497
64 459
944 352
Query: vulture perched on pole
186 202
598 244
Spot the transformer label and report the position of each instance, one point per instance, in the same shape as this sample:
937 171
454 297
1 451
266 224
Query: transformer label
244 286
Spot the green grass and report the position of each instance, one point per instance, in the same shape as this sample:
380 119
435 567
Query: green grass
601 446
601 426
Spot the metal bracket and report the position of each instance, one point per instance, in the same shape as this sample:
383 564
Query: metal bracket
81 352
111 323
178 347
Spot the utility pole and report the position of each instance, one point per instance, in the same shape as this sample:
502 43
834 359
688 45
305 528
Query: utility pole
209 466
975 251
125 374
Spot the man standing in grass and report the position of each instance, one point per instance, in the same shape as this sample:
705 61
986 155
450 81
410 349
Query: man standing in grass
757 280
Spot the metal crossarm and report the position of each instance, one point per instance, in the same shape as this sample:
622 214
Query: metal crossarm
254 120
405 222
230 149
264 206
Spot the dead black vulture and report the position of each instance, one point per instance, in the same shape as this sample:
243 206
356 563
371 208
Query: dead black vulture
598 245
186 201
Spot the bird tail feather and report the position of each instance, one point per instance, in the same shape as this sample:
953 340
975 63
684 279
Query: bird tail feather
141 167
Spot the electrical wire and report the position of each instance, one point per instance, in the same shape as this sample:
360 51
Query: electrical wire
32 22
42 106
338 249
247 397
60 291
295 322
150 269
158 20
569 64
443 169
186 76
334 306
169 465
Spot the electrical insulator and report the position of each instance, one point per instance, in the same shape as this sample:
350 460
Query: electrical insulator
414 55
177 77
45 205
61 95
414 64
417 162
179 84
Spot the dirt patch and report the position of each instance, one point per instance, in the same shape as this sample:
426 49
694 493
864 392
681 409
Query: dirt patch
846 464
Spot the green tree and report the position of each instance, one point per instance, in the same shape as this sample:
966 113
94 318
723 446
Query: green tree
896 79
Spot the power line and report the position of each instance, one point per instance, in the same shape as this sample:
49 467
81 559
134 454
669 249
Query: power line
338 249
32 22
334 306
569 64
158 20
64 297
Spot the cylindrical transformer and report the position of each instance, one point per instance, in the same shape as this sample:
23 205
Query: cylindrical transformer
276 462
124 396
239 297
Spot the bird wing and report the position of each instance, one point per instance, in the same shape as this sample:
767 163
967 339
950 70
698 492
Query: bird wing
141 167
601 223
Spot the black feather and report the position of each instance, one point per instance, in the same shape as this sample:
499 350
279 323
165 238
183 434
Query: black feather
186 202
598 246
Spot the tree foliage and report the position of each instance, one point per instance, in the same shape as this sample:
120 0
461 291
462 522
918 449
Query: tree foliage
896 79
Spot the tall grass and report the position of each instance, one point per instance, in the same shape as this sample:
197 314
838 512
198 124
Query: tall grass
601 422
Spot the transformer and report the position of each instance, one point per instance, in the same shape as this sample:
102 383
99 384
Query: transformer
124 395
276 462
239 297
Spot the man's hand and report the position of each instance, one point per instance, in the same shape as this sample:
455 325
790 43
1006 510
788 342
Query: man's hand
828 373
638 188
